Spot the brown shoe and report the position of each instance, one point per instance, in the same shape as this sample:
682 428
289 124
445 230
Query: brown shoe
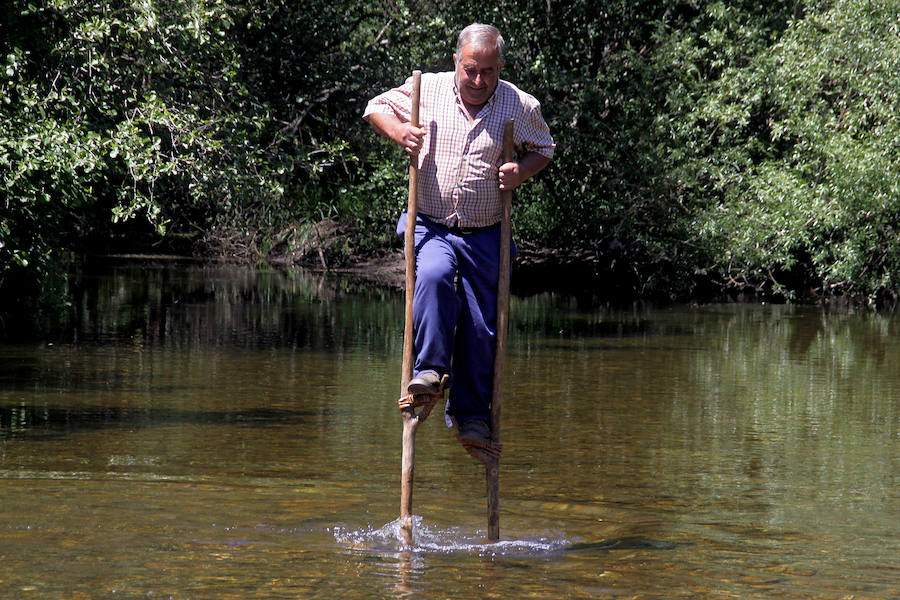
426 382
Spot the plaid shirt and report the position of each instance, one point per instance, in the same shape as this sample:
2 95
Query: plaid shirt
460 160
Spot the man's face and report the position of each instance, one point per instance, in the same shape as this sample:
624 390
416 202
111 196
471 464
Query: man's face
477 73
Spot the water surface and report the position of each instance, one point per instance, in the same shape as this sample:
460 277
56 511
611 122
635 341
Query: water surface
218 432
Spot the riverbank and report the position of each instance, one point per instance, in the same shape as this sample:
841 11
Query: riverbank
331 247
535 270
610 273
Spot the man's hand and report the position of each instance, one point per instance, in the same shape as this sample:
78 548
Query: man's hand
410 138
400 132
512 174
510 177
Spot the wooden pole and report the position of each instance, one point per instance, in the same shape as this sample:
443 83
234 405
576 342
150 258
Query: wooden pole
492 465
410 421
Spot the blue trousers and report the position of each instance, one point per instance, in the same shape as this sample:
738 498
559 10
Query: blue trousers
455 311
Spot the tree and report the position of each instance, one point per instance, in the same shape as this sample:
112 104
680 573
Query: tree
799 145
117 109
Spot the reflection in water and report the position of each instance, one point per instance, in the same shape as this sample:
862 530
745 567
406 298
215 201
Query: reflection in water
50 421
208 431
154 304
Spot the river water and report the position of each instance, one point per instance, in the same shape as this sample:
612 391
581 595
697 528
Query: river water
231 433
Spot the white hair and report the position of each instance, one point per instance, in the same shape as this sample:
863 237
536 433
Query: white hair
484 37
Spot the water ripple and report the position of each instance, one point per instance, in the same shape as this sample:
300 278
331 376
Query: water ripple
435 540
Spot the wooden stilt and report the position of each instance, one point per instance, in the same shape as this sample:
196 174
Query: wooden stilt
492 463
410 420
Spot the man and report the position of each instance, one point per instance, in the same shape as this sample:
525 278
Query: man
457 237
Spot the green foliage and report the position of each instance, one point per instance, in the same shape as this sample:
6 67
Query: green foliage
736 143
798 145
117 110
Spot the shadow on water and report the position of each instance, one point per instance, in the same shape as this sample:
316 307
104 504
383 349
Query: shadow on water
38 422
624 543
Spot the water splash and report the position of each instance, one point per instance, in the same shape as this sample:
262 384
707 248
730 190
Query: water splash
430 539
